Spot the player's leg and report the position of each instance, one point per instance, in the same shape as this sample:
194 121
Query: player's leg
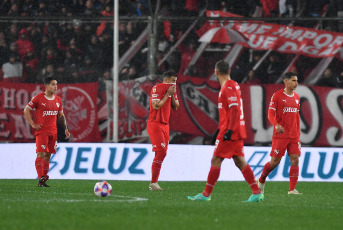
279 147
212 179
249 177
159 139
294 150
41 148
52 147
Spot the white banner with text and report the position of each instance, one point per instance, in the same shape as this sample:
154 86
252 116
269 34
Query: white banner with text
107 161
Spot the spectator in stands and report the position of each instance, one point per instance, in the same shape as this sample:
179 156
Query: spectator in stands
327 79
12 34
89 10
12 71
187 53
47 71
14 11
3 49
88 70
24 44
274 68
49 56
104 79
30 64
250 78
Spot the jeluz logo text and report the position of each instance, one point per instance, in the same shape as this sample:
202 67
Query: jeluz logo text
50 113
290 110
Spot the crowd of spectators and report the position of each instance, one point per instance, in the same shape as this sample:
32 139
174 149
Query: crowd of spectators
78 51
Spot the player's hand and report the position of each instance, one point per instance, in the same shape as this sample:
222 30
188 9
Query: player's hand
37 126
214 137
227 135
279 128
171 90
67 133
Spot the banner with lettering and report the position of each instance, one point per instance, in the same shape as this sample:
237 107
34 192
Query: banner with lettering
281 38
79 105
321 112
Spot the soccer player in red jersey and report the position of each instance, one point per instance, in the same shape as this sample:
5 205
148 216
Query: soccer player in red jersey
48 107
229 140
163 97
283 113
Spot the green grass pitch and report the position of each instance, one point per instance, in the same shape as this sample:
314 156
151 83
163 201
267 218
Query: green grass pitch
71 204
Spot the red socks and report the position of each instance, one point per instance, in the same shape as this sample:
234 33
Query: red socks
157 164
39 163
46 165
212 179
265 172
250 178
293 177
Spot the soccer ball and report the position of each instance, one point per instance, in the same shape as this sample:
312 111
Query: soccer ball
102 189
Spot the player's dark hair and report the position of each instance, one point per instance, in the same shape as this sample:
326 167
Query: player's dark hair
222 67
169 74
288 75
47 80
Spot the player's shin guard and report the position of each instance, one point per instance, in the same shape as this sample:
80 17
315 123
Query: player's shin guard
212 179
250 178
39 164
46 165
265 172
293 176
157 164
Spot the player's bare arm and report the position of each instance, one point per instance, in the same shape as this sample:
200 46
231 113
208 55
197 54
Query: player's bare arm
27 114
63 122
158 104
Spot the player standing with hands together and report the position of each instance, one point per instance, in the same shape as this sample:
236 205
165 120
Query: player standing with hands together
48 107
229 141
283 113
163 97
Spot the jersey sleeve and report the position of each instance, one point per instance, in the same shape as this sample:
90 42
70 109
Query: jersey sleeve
175 97
33 103
273 102
156 93
231 97
60 108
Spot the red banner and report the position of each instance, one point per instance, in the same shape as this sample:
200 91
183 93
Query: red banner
321 111
79 105
281 38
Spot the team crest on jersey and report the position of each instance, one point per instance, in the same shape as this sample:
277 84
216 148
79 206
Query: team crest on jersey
201 105
58 105
276 151
297 101
163 145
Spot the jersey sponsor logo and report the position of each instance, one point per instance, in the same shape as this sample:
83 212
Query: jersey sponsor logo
30 103
44 104
50 113
290 110
284 100
232 98
154 95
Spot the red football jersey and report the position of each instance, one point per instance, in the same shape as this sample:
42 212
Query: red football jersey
287 114
161 115
46 112
229 96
